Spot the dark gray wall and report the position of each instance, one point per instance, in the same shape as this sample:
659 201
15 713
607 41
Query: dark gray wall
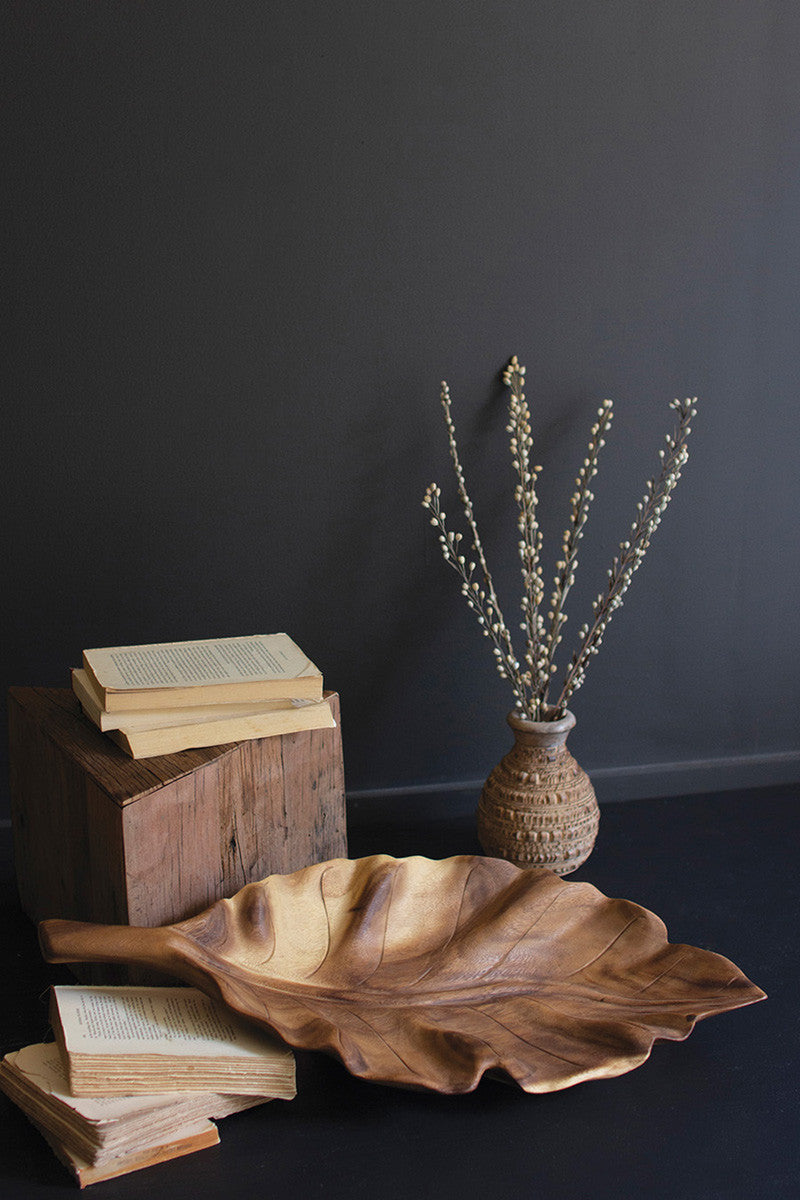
247 241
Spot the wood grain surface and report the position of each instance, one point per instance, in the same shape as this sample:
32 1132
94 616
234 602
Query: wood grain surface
429 973
101 837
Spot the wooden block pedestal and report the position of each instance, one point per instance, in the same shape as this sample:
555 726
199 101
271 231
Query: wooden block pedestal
99 836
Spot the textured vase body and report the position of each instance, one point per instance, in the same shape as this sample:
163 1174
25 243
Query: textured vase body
538 807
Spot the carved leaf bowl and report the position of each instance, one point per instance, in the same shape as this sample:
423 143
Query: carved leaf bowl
427 974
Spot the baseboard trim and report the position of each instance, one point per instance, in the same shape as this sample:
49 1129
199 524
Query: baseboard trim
640 781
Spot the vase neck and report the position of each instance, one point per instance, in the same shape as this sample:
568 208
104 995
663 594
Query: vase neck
544 735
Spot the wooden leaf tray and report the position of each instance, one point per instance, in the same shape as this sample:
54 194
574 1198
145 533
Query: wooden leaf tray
427 974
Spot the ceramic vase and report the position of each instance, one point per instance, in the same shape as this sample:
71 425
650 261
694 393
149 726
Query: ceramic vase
538 807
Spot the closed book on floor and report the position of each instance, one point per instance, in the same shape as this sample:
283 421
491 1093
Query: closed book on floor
218 671
196 1137
133 1040
100 1128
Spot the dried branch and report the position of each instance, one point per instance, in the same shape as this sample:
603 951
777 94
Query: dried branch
568 564
650 509
530 543
483 600
530 684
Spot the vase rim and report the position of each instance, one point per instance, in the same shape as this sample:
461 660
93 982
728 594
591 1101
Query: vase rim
562 725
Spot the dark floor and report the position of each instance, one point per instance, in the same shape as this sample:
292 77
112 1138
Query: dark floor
712 1118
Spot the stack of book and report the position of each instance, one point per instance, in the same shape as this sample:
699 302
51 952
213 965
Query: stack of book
139 1075
162 698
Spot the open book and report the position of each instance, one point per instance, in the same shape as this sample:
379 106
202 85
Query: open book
134 1040
219 671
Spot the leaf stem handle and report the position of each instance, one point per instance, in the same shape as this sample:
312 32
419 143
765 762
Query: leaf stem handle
79 941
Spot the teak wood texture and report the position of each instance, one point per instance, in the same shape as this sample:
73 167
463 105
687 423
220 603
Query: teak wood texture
99 836
428 974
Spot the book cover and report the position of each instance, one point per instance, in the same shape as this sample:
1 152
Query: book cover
197 1137
145 743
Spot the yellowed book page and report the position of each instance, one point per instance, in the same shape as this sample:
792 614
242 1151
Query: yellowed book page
197 1137
42 1068
144 743
101 1127
272 656
163 718
171 1022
